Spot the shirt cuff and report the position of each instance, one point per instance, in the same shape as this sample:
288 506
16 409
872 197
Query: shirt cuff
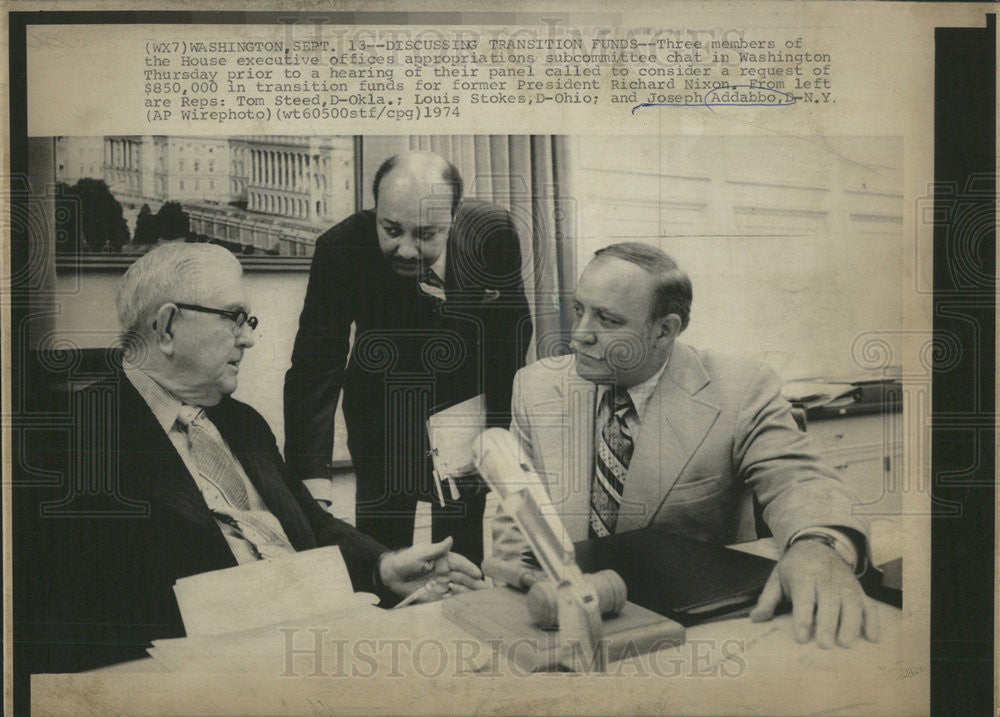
839 542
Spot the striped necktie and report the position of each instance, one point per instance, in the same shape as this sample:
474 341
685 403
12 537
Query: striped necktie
432 285
215 463
614 452
264 536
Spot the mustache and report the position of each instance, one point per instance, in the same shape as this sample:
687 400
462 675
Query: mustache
407 266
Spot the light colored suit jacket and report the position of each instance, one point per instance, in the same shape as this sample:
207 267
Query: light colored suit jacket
714 430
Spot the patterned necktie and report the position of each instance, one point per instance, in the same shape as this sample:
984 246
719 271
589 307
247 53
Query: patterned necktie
261 530
214 462
431 284
614 451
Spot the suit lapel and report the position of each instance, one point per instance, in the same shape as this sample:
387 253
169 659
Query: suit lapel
277 498
265 477
674 424
579 402
157 463
562 424
451 279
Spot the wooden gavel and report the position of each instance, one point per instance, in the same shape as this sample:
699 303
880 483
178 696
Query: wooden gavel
543 597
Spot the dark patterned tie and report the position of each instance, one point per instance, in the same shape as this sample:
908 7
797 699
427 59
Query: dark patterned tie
214 462
614 451
432 285
261 530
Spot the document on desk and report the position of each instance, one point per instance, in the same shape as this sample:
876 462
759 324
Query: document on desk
361 641
266 592
452 434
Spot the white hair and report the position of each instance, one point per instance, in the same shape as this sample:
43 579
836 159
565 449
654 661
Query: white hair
173 271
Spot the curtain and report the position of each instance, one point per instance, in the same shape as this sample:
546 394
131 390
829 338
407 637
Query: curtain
531 177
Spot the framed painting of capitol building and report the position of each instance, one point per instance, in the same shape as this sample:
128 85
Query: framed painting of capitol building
265 197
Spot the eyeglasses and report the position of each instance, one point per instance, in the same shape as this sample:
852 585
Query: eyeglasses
238 317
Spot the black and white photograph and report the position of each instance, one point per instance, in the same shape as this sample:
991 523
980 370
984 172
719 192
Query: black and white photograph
196 187
653 394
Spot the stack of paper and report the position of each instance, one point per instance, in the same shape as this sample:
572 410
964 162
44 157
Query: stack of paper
364 640
295 586
452 434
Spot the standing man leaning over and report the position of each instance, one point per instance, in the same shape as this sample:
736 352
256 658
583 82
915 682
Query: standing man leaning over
432 285
676 436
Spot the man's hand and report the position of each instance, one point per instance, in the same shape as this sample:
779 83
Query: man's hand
816 579
406 571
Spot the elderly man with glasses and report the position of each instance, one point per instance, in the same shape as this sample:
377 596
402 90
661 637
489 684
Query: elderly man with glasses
206 468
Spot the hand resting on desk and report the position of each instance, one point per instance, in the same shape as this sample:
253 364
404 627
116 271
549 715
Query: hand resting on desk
406 571
823 591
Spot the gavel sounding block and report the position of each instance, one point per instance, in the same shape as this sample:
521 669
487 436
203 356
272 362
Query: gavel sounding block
499 617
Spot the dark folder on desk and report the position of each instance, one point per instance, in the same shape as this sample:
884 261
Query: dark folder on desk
686 580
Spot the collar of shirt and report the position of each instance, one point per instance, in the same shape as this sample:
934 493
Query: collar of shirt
641 393
164 405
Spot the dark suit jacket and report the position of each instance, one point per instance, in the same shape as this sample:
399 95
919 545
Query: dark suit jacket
410 355
101 584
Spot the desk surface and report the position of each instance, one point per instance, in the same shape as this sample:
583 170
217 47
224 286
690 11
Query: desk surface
397 667
415 661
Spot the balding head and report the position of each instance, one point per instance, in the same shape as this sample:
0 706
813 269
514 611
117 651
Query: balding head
432 172
416 196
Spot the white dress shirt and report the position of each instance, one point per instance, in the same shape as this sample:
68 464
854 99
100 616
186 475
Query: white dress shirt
640 395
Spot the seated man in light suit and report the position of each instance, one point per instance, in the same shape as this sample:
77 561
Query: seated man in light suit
205 465
638 428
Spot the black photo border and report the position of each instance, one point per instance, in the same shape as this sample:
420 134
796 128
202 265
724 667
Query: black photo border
963 554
